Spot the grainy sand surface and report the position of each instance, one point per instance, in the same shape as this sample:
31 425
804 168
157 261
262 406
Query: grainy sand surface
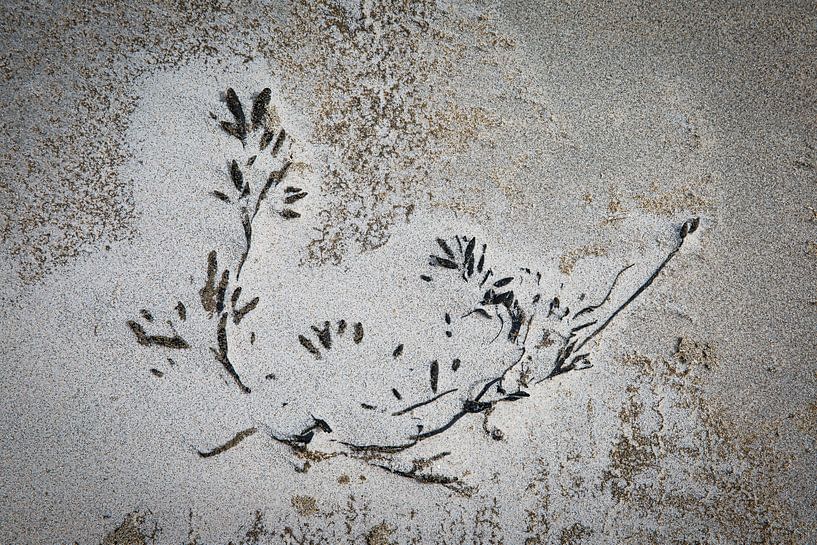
574 149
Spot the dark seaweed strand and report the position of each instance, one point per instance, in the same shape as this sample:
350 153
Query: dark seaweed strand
234 105
222 356
144 339
246 222
470 406
237 176
324 335
208 291
434 373
279 141
688 227
358 333
444 245
239 314
259 107
221 293
386 449
452 483
237 438
307 344
422 403
275 177
606 297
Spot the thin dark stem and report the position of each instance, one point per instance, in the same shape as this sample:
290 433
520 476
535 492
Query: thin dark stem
237 438
422 403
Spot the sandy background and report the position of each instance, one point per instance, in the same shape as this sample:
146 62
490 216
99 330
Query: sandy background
572 138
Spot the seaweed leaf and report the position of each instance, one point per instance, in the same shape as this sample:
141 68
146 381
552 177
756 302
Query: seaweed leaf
259 107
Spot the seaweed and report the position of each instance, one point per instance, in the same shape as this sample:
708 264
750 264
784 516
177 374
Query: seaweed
234 105
324 335
208 292
259 107
235 440
307 344
239 314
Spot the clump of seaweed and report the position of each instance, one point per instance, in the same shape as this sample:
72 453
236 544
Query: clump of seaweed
260 133
516 301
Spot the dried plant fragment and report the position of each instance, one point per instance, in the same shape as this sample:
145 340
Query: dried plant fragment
221 293
239 314
222 356
306 343
208 292
234 105
279 141
237 438
434 372
445 248
144 339
436 261
266 138
324 335
236 175
220 196
296 197
259 108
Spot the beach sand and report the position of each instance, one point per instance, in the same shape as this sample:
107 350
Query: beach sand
642 181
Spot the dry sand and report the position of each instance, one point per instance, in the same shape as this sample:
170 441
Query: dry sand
572 140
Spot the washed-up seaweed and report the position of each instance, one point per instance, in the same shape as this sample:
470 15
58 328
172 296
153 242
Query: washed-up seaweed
239 314
246 223
236 439
174 342
324 335
234 105
452 483
311 348
279 141
606 297
423 403
460 258
222 353
208 292
221 292
259 108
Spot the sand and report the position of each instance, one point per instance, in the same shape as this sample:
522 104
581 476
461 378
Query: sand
645 179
